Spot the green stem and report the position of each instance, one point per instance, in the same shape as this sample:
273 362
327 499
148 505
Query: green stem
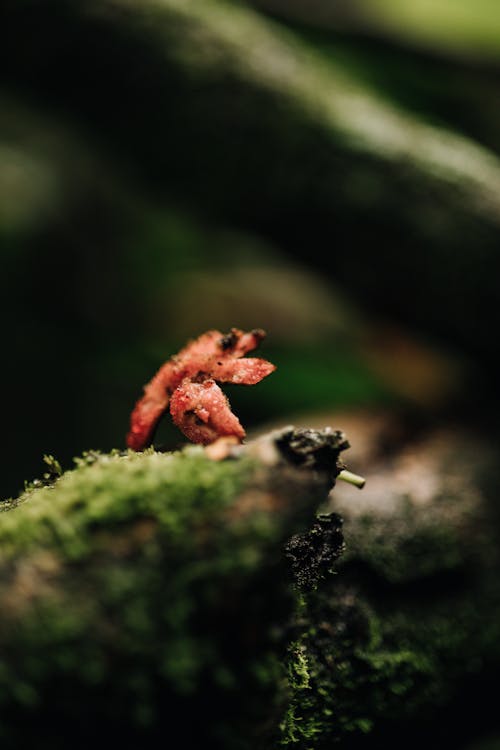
355 479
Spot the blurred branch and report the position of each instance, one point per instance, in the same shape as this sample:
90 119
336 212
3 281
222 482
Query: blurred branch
245 122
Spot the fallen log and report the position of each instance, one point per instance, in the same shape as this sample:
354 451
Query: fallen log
189 597
142 595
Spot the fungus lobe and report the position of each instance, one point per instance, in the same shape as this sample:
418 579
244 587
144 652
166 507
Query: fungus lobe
187 384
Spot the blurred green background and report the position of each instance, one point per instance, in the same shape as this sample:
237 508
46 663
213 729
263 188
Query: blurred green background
326 170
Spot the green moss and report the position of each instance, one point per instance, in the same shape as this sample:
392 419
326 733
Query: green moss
401 632
126 583
365 669
113 489
139 585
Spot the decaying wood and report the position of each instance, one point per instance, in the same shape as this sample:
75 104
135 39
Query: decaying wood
140 589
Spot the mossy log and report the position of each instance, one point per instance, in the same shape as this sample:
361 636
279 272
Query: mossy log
179 598
143 594
210 104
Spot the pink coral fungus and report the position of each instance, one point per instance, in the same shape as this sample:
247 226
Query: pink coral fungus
187 383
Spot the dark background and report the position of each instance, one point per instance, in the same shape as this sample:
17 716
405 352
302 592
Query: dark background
328 171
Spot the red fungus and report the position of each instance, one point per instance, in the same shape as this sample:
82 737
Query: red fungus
187 383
